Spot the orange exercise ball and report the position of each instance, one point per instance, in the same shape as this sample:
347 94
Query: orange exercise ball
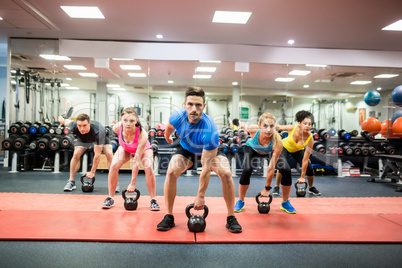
397 127
372 125
383 131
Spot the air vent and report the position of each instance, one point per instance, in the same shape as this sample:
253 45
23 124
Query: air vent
20 57
345 74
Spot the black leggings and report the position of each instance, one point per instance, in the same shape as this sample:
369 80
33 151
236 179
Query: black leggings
298 156
282 165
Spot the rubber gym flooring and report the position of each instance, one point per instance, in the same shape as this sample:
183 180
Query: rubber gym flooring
353 223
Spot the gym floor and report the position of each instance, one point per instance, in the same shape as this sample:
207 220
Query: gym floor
107 254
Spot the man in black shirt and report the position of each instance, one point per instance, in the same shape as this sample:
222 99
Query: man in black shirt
89 134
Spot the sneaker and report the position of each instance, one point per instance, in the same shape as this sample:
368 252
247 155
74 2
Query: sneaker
109 203
118 188
233 225
286 206
313 191
166 223
276 190
239 206
154 205
70 185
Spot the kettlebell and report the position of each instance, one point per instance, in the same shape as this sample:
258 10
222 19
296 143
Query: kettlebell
196 223
130 203
87 186
263 207
301 191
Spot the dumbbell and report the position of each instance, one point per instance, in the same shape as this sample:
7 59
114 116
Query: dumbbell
323 134
154 146
7 144
284 134
332 132
234 148
367 135
316 136
25 127
388 149
43 142
335 150
152 133
66 130
115 143
223 130
20 142
223 148
356 150
354 133
242 143
343 134
33 144
67 141
54 143
45 127
369 148
319 147
347 150
15 127
35 127
229 132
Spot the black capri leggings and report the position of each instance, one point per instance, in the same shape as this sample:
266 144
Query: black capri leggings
298 156
282 165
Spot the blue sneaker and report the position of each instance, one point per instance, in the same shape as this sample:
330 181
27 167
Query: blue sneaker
286 206
239 206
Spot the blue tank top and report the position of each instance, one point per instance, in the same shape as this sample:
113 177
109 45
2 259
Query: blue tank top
194 138
256 146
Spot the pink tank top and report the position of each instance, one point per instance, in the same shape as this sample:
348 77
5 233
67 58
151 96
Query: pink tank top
131 147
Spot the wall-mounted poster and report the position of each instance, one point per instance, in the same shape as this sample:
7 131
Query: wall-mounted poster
362 115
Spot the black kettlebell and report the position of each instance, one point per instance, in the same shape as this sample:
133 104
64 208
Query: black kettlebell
87 186
263 207
130 203
196 223
301 191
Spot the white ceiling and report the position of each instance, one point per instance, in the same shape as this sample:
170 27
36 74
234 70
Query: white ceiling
316 24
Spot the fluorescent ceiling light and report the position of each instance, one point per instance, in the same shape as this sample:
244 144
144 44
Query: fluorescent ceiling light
316 65
231 17
112 85
235 83
159 36
306 86
378 88
137 74
284 79
88 74
75 67
131 67
206 69
396 26
386 75
73 88
360 82
299 72
126 59
291 42
64 85
322 81
202 76
118 88
1 18
68 78
54 57
80 12
211 61
170 81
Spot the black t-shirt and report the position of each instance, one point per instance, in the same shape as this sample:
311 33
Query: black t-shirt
96 134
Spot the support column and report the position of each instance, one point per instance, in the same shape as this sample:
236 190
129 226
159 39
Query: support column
84 163
340 167
235 102
56 165
101 103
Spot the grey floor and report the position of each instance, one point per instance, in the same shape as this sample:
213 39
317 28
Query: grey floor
91 254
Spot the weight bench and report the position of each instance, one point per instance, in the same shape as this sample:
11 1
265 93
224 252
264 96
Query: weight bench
391 163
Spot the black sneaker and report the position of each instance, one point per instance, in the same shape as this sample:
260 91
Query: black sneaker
233 225
276 190
313 191
166 223
70 185
109 203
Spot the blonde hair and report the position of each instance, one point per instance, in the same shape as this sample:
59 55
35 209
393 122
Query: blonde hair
275 136
133 111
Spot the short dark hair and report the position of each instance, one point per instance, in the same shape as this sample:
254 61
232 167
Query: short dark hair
235 122
83 117
301 115
195 91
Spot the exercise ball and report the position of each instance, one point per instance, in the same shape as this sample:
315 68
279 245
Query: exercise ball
372 125
397 127
372 98
383 131
396 115
396 96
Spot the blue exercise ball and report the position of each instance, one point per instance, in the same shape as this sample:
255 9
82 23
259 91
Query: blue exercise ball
396 116
372 98
396 96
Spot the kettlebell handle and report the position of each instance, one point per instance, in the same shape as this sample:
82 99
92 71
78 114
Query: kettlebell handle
257 198
135 191
305 185
206 210
92 180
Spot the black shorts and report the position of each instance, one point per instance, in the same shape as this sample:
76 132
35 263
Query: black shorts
90 144
191 156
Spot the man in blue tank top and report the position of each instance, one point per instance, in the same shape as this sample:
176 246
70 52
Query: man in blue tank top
199 137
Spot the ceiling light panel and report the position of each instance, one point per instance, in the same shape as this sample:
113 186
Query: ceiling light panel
137 74
202 76
316 65
55 57
299 72
360 82
386 75
122 59
131 67
75 67
206 69
284 79
396 26
88 74
81 12
231 17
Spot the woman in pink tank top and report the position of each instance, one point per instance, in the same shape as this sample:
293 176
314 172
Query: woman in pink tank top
133 141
